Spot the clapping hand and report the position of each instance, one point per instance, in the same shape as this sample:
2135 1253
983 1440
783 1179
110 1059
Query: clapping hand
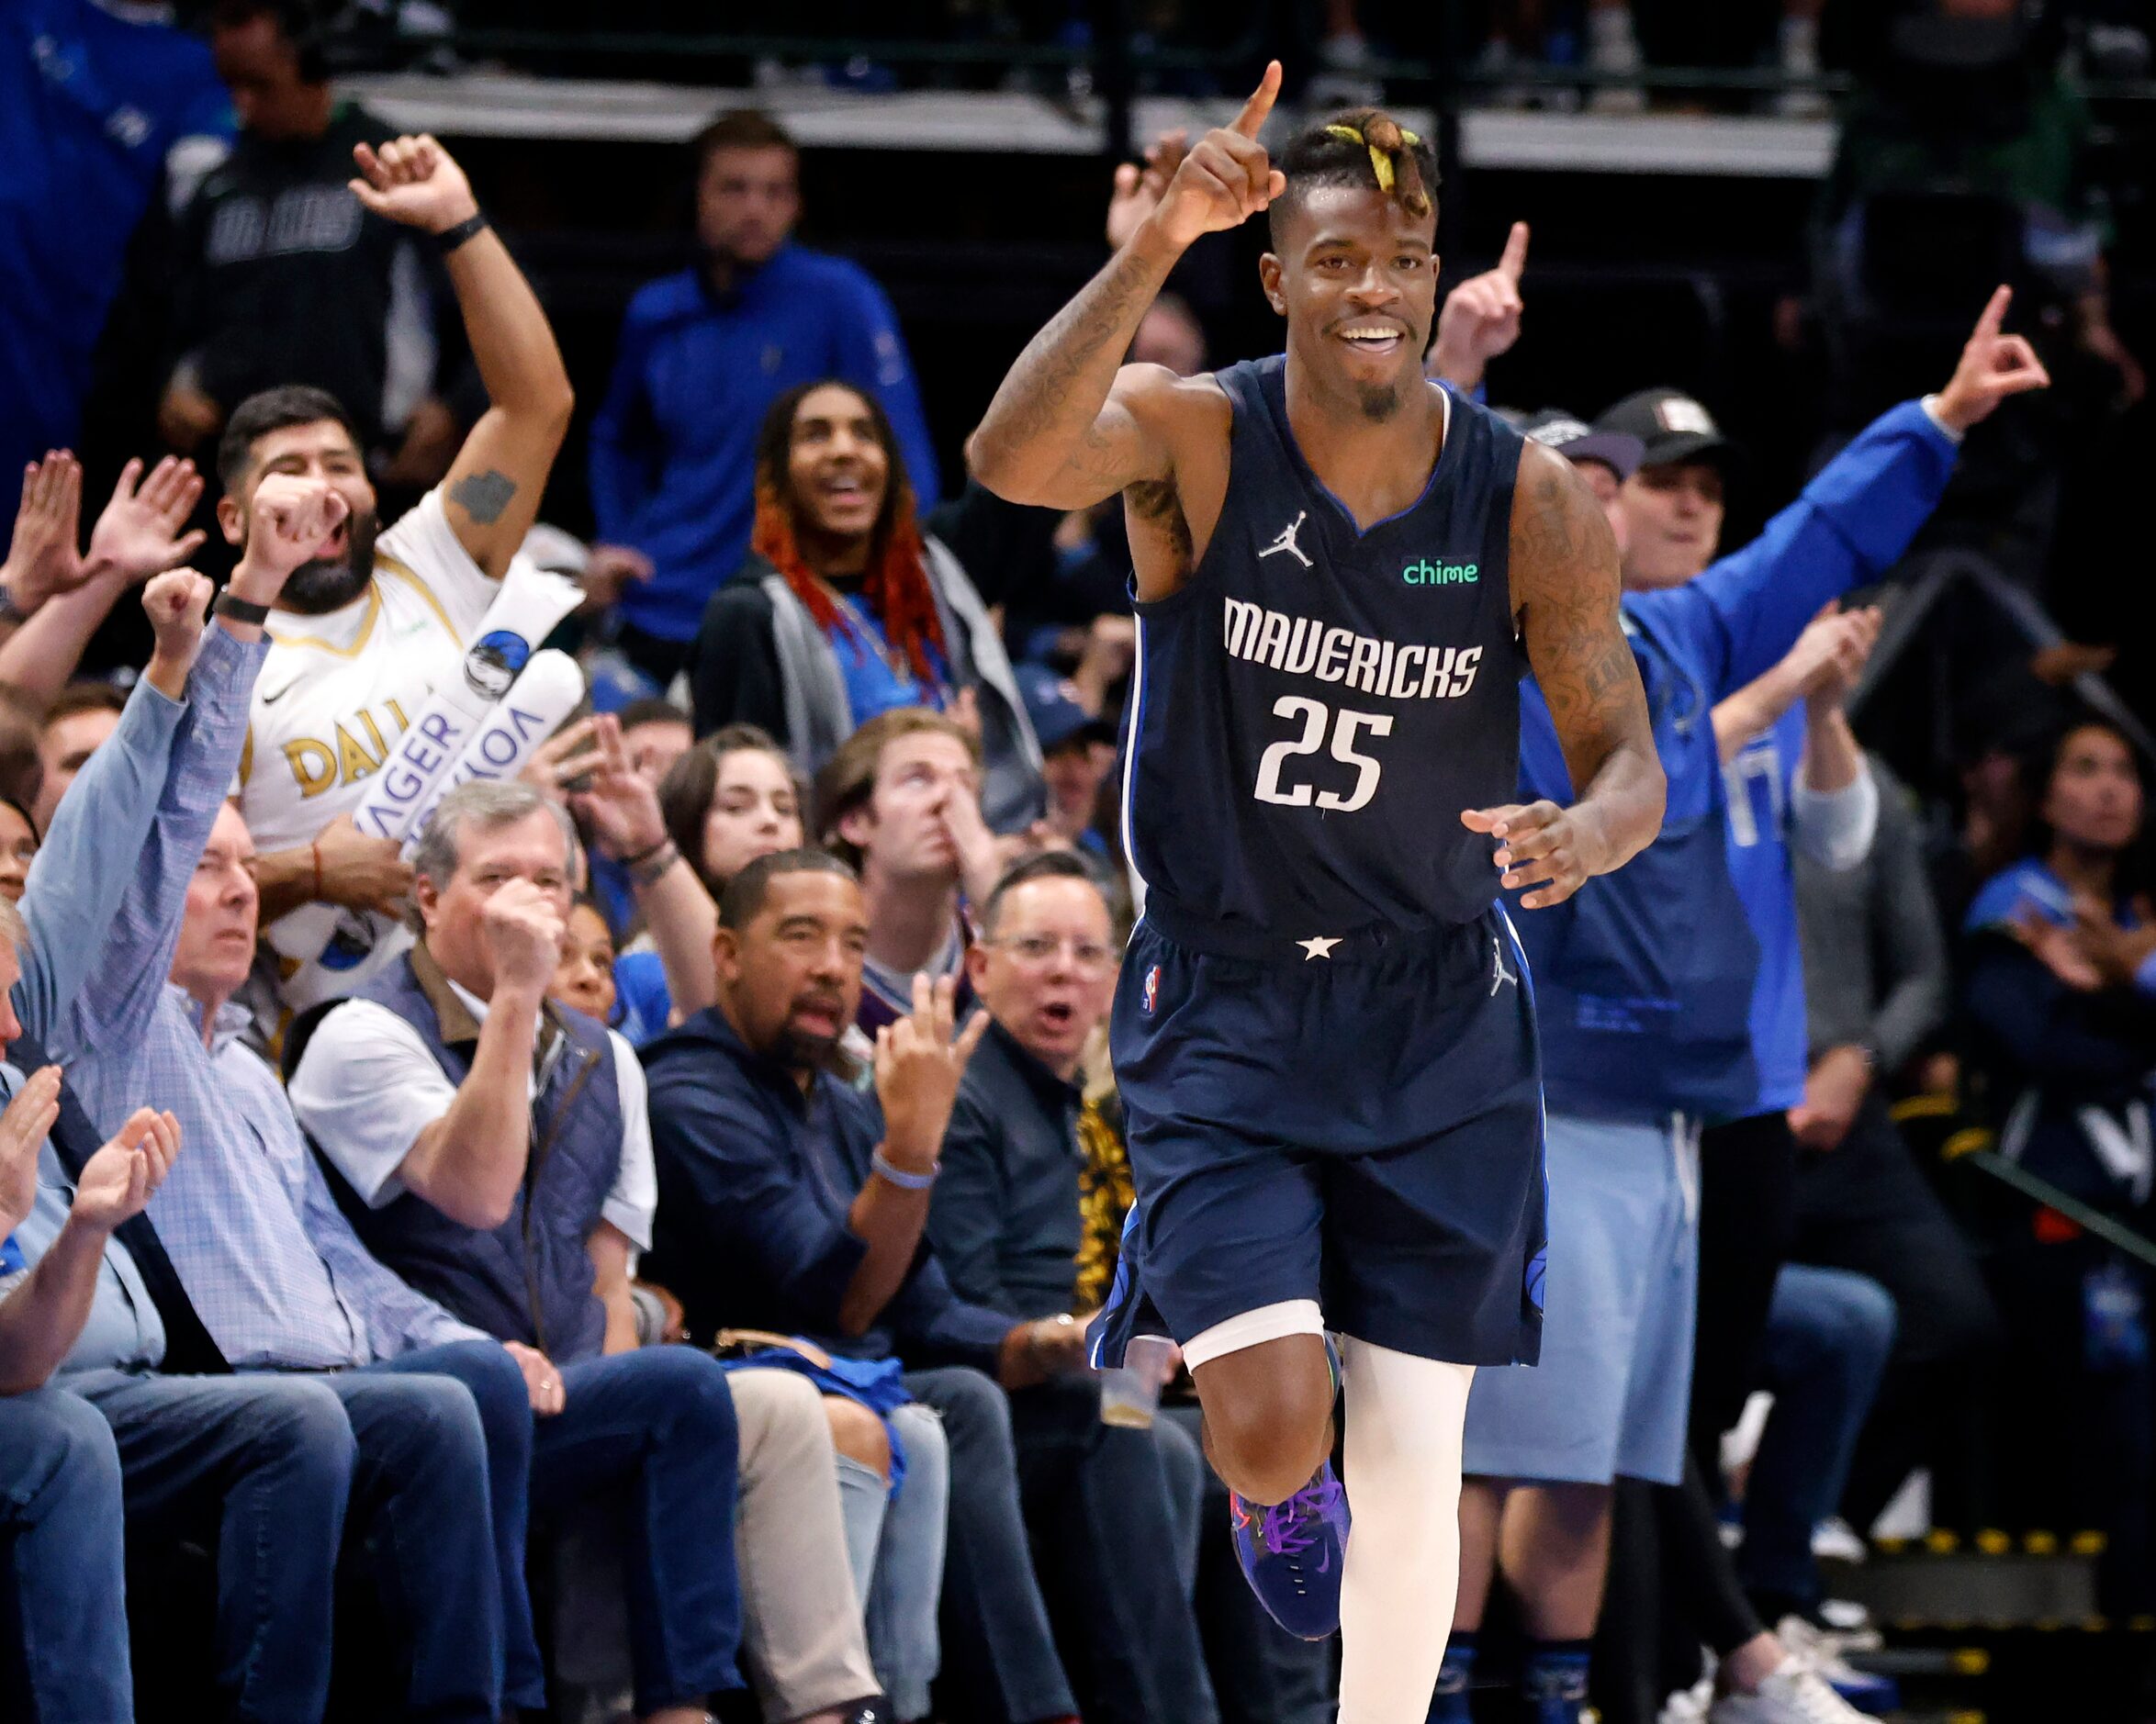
23 1129
1993 366
118 1181
1481 318
1227 177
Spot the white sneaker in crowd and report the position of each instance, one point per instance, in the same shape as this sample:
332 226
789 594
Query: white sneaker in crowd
1689 1706
1792 1695
1835 1541
1825 1653
1851 1624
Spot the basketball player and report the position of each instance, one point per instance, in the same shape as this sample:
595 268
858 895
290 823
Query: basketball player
1322 1032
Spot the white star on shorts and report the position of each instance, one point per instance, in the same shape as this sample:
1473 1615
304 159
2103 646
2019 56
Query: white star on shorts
1318 945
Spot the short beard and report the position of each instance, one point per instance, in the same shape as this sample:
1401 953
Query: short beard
316 588
1379 401
796 1052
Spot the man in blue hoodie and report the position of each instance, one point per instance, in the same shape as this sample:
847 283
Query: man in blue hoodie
1643 984
703 353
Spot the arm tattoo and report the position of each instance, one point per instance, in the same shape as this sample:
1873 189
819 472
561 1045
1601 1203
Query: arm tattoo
1155 501
483 496
1566 563
1098 322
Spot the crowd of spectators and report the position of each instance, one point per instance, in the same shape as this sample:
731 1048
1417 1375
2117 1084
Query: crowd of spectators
628 1239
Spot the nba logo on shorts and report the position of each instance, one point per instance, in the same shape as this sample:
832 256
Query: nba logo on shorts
1152 988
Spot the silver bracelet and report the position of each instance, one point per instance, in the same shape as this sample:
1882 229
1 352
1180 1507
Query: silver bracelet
885 1169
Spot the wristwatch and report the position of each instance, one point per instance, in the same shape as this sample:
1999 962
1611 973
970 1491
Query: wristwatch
230 604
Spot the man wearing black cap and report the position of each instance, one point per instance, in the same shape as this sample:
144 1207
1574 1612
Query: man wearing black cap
1077 753
1645 989
1605 459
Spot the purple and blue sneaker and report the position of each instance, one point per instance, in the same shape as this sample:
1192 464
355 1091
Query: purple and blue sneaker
1293 1553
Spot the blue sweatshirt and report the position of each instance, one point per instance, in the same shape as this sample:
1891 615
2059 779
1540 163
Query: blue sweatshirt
1645 979
673 445
91 104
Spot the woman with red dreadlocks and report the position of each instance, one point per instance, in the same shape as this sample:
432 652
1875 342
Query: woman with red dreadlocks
845 608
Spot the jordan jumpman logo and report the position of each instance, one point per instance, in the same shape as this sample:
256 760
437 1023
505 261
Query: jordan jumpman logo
1286 542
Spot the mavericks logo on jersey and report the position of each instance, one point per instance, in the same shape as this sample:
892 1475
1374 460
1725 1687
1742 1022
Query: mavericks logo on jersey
1422 573
1302 646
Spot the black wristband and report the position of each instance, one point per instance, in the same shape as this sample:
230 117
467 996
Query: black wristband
449 239
230 604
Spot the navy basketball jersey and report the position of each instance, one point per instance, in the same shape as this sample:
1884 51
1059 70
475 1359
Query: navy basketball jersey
1316 705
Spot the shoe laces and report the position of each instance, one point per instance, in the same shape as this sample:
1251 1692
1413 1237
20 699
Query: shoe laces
1290 1529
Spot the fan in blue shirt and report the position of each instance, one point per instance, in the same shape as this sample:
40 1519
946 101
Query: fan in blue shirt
703 355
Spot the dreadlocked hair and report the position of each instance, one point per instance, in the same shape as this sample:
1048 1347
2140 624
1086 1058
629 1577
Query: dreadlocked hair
1363 147
896 585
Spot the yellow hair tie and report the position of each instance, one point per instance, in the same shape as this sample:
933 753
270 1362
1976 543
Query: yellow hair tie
1380 160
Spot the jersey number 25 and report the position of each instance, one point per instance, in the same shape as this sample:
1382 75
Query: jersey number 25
1345 726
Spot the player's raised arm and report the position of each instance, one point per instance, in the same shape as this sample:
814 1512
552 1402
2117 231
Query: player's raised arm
493 489
1065 430
1566 585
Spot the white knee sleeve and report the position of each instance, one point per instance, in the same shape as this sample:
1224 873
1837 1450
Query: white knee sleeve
1403 1433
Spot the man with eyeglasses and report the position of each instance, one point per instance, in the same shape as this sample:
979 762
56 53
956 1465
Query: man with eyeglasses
1121 1507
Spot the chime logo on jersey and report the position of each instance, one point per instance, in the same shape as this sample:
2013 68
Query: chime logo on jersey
1152 988
494 661
1424 572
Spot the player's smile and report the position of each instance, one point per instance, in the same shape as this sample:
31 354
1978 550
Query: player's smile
1378 337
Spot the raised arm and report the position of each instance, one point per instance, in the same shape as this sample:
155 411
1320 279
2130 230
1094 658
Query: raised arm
493 489
1565 590
1071 424
142 530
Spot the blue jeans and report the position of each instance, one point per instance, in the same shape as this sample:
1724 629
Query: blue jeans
999 1654
445 1473
258 1468
661 1421
60 1524
1828 1333
905 1581
1113 1512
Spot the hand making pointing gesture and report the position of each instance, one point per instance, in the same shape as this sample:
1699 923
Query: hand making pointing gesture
1227 177
1993 366
1481 318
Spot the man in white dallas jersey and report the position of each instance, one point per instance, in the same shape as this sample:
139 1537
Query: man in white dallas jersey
370 624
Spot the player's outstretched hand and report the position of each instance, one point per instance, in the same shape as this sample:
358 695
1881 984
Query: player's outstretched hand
1481 318
413 180
919 1062
1541 846
1227 177
1993 366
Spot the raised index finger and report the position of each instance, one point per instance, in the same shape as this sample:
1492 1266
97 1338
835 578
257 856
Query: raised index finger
1252 118
1995 314
1514 261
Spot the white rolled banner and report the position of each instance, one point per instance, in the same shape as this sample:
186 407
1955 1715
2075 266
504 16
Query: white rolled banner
529 603
531 600
514 726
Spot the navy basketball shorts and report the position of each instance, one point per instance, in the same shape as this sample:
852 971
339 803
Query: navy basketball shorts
1361 1125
